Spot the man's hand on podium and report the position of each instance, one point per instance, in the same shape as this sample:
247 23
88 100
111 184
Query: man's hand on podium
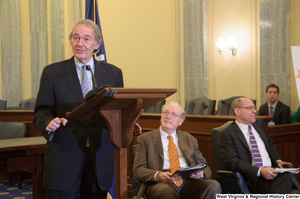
137 128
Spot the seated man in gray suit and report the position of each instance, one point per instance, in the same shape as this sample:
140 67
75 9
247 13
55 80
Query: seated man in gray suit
274 107
153 160
247 148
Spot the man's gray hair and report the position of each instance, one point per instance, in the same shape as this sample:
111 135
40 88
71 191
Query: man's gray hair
236 103
90 23
182 112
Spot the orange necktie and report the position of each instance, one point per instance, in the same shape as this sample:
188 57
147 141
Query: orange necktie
174 160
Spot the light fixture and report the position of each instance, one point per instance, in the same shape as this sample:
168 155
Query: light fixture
230 44
221 45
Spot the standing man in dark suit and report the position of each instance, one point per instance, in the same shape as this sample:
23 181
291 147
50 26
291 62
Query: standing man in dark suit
152 161
254 157
79 157
275 108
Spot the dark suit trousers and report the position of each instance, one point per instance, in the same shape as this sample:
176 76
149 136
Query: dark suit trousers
190 189
85 186
281 184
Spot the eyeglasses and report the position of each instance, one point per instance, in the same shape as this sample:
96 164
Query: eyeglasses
249 108
172 115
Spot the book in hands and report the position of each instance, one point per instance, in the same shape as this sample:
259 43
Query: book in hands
185 172
291 170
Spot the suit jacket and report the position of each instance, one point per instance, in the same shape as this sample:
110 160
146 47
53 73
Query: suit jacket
149 156
59 93
282 113
236 153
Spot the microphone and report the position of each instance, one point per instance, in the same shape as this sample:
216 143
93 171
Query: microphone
223 102
96 89
204 107
228 106
88 67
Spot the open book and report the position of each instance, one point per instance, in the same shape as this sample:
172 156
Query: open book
185 172
291 170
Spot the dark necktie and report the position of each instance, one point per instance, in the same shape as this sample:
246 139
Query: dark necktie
174 160
255 151
271 112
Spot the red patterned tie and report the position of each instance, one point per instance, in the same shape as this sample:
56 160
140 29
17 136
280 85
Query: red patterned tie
174 160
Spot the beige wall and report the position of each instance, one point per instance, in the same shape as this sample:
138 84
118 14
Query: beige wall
141 38
233 75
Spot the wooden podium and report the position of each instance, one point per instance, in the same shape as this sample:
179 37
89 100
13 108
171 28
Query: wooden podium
120 107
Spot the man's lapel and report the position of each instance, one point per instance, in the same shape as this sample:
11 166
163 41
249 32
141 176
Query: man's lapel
276 111
158 146
72 80
100 76
240 135
261 133
182 145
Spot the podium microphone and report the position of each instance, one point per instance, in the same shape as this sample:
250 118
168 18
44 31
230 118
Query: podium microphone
95 90
88 67
204 107
228 105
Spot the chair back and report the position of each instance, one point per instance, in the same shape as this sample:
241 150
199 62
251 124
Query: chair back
231 182
224 105
156 108
200 106
3 104
10 130
215 137
292 115
28 104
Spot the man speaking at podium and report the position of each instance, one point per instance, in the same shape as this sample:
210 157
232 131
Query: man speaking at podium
79 157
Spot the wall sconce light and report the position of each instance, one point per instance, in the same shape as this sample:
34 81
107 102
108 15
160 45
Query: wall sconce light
230 44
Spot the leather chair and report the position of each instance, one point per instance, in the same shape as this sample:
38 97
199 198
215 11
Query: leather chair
28 104
3 104
10 130
200 106
156 108
233 182
224 105
293 113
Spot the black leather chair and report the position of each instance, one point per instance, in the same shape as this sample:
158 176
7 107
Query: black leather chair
3 104
10 130
200 106
233 182
156 108
28 104
225 104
